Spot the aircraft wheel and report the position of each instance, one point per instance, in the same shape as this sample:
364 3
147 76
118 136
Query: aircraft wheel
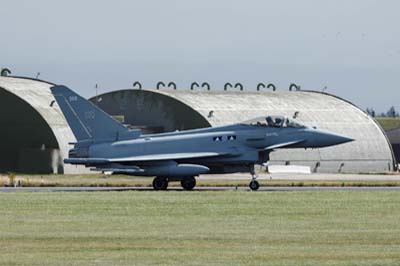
160 183
188 183
254 185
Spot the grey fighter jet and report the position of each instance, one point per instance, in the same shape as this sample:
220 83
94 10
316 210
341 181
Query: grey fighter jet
105 145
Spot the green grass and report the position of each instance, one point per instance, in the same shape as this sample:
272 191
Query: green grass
388 123
200 228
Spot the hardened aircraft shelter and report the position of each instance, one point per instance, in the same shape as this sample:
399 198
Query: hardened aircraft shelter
170 110
35 136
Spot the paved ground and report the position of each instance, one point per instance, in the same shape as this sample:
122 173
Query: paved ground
305 177
262 189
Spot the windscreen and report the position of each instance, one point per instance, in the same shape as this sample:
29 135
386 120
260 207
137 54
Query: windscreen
275 121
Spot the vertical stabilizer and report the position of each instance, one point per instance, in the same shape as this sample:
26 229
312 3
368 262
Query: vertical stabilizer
86 120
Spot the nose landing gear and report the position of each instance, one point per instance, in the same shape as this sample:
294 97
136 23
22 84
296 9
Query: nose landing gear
254 185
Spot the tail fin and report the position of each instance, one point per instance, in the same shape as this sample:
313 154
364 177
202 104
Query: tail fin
86 120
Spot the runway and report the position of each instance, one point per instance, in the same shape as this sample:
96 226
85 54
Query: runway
199 189
306 177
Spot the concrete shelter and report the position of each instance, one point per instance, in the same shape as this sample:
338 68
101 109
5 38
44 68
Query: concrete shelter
35 136
169 110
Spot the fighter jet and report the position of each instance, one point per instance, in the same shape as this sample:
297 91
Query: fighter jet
105 145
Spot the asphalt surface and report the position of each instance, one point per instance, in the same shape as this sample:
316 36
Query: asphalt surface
262 189
307 177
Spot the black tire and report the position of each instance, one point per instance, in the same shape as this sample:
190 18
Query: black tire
160 183
188 183
254 185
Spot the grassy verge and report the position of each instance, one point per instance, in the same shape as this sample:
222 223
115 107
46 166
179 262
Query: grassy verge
92 180
388 123
200 228
96 180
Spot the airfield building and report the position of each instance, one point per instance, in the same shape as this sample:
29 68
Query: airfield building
170 110
35 136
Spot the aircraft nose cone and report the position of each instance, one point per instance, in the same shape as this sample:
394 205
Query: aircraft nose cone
337 139
320 139
328 139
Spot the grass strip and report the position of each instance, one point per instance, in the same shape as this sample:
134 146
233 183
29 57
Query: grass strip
200 228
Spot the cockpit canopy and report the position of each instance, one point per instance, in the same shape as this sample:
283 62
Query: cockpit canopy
275 121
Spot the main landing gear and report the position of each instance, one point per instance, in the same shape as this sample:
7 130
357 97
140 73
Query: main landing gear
188 183
161 183
254 185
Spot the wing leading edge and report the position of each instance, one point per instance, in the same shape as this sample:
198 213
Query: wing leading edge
143 158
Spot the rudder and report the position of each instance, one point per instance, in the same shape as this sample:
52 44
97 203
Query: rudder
86 120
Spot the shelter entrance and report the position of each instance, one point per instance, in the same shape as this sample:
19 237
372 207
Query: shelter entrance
27 143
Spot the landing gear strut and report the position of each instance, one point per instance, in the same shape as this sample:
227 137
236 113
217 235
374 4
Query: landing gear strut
188 183
254 185
160 183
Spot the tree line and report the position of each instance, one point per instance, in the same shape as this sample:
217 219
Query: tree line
392 112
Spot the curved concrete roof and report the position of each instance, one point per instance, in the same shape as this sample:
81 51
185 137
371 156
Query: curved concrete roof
37 95
174 109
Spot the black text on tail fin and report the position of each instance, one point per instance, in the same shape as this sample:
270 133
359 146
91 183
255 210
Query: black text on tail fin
86 120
